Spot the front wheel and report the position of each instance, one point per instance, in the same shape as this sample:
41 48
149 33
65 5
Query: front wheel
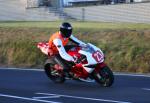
53 74
104 77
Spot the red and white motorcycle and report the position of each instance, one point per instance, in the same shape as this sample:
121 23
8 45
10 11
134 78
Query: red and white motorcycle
90 65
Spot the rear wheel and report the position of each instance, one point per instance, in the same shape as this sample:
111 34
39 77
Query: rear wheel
55 75
104 77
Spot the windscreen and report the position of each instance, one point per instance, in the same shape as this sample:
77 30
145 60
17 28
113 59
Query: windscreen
88 48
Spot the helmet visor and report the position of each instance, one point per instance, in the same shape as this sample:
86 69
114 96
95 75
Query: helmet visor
66 32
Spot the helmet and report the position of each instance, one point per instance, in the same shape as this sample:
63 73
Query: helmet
66 29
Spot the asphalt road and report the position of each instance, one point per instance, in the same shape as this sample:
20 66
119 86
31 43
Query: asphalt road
31 86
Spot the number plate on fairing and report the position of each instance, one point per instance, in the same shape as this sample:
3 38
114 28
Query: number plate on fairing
98 56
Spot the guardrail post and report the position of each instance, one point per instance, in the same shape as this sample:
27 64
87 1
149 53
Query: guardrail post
83 14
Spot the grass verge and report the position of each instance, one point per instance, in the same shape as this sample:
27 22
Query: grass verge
126 46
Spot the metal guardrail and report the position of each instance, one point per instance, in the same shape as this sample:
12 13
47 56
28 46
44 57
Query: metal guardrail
134 13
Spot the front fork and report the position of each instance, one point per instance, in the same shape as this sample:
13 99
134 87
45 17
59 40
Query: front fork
96 72
98 75
99 67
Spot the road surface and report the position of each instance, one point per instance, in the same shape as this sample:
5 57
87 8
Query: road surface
33 86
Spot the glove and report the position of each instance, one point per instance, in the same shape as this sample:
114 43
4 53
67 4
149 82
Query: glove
71 63
76 60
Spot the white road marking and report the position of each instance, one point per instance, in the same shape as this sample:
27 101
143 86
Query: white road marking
133 75
119 74
85 98
146 89
55 96
24 98
23 69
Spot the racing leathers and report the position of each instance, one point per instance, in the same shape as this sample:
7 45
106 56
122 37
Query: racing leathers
58 45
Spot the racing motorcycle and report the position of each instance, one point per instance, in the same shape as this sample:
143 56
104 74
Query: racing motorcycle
89 67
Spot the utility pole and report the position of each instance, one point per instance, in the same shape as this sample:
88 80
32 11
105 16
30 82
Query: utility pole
83 14
61 8
61 4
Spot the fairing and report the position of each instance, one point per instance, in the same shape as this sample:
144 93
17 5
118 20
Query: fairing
93 61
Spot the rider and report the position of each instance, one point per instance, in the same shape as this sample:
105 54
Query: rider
58 45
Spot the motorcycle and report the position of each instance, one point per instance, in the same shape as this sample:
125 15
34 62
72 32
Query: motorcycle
89 67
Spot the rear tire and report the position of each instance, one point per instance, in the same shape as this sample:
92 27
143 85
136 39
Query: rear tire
104 77
54 75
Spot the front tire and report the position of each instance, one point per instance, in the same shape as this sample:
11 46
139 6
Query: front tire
54 75
104 77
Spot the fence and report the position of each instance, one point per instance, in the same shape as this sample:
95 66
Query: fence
17 10
135 13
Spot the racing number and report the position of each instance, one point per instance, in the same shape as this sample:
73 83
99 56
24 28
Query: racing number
97 56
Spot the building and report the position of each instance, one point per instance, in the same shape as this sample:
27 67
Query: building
38 3
85 2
